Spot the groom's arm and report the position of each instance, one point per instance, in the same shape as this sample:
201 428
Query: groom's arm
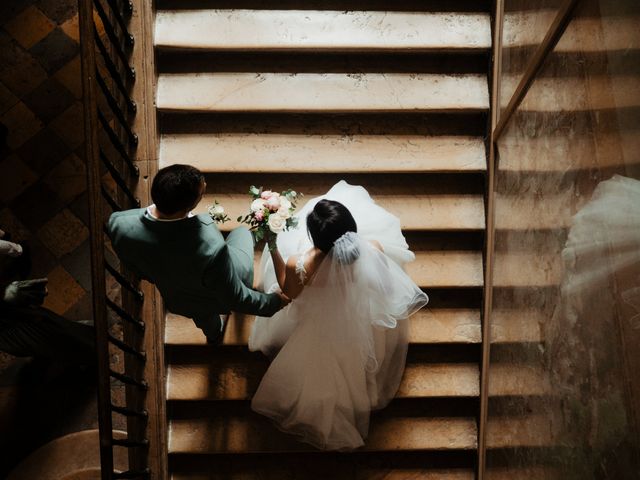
119 230
231 292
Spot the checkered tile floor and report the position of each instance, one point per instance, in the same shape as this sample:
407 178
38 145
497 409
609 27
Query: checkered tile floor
42 180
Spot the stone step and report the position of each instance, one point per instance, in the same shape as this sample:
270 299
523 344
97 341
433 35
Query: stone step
560 154
317 31
483 6
525 431
326 124
517 326
446 269
448 212
526 269
303 153
518 380
284 472
211 434
583 35
575 94
238 380
442 202
332 92
428 326
538 472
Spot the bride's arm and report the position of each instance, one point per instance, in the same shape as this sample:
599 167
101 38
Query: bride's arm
278 263
285 272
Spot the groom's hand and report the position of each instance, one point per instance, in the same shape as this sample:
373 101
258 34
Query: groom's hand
284 300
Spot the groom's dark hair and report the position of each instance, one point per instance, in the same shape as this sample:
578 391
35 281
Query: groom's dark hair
327 222
176 188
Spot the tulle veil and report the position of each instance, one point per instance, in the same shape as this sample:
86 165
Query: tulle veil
346 354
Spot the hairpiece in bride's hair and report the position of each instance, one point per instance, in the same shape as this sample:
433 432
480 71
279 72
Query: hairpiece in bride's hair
346 249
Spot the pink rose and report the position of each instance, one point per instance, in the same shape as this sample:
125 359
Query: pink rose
266 194
273 203
259 215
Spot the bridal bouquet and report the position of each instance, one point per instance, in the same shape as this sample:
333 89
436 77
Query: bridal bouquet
271 212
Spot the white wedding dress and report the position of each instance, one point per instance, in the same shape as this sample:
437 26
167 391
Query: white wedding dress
340 346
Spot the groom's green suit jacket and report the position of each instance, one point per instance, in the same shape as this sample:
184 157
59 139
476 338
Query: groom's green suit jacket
189 262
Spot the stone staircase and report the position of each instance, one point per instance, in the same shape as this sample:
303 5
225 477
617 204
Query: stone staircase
285 94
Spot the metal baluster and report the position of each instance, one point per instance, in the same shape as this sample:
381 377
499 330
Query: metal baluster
120 19
115 108
113 70
118 179
125 442
127 348
110 31
117 144
129 412
124 315
124 282
112 203
129 380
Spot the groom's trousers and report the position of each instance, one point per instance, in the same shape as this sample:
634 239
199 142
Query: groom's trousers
240 243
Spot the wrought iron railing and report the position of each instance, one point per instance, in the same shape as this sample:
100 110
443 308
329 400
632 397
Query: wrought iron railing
109 112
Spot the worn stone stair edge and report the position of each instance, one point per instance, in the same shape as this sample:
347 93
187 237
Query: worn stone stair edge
243 435
295 30
371 92
305 153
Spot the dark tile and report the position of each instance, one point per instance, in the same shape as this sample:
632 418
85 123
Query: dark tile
16 177
82 310
10 8
77 263
49 100
80 208
64 291
7 99
63 233
21 123
42 260
19 71
44 151
69 125
36 205
58 10
68 179
55 50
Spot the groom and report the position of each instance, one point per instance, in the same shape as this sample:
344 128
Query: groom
198 274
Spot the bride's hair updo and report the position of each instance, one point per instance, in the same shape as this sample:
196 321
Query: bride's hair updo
327 222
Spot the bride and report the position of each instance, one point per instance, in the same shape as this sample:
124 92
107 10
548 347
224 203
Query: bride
339 348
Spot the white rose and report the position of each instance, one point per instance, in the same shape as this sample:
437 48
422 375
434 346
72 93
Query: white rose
285 208
277 223
217 210
257 205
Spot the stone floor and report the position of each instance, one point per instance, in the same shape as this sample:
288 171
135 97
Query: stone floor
43 203
42 188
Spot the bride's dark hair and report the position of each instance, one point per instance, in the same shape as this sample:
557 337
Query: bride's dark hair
327 222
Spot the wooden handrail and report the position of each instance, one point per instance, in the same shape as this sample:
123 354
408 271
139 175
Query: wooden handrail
98 283
547 45
114 89
485 365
